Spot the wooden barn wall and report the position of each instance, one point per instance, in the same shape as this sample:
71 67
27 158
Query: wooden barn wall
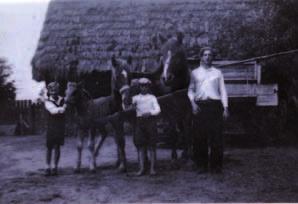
92 31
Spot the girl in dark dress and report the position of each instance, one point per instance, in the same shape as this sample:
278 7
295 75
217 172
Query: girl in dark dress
55 107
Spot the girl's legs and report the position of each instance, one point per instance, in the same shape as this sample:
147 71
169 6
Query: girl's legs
48 161
57 158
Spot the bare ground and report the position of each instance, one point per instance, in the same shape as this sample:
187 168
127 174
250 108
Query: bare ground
250 175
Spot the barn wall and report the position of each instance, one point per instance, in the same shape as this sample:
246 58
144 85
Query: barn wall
92 31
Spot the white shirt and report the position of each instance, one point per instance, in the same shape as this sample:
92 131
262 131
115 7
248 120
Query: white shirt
207 84
52 108
146 104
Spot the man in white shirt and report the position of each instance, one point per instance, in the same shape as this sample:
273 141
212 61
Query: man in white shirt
147 108
209 100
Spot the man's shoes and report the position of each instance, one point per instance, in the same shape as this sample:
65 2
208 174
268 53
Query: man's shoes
48 172
216 170
55 172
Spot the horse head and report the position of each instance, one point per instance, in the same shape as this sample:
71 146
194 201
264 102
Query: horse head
174 71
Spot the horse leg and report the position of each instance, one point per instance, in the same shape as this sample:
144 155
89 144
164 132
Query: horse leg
121 150
91 143
120 141
171 118
174 137
100 142
80 140
186 154
174 154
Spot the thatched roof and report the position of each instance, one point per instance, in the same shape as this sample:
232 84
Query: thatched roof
81 35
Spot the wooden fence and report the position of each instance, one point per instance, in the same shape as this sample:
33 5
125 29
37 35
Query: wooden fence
28 117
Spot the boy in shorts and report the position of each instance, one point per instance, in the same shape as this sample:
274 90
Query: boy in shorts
147 108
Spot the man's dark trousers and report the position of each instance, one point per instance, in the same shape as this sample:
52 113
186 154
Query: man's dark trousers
207 132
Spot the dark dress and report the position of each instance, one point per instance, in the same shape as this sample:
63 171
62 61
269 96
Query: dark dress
55 127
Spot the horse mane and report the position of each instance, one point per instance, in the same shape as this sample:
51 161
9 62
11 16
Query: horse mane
86 93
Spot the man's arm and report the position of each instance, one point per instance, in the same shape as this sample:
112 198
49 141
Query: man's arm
191 93
223 95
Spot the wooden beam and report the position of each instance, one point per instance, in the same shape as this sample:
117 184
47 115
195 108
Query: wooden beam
251 90
253 58
267 95
238 72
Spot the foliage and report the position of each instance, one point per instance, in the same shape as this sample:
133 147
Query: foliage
7 87
275 29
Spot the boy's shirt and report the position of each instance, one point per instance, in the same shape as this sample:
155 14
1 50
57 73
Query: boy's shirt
55 106
146 103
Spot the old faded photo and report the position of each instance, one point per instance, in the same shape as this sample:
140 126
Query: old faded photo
148 101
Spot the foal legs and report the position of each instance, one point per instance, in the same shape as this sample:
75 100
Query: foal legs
80 140
91 144
100 142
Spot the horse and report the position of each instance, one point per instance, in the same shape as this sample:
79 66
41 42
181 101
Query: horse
177 108
171 76
92 115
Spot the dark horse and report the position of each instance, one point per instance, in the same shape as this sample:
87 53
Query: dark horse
93 114
172 76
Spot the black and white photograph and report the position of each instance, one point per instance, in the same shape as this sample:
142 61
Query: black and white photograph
148 101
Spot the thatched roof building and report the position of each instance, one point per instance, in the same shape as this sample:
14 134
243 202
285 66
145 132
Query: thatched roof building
80 36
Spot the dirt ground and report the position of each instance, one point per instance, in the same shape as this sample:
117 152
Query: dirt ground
250 175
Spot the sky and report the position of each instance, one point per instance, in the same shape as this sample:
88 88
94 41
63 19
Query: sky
21 23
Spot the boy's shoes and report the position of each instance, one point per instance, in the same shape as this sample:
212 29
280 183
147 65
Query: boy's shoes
140 173
48 172
55 172
202 170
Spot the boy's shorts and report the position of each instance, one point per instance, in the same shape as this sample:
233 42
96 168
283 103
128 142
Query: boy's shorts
146 132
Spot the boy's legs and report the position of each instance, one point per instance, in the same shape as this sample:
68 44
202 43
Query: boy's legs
151 130
141 154
80 141
152 160
139 143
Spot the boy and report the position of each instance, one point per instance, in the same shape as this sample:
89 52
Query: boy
55 107
147 108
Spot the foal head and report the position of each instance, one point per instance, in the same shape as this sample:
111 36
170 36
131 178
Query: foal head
121 81
76 95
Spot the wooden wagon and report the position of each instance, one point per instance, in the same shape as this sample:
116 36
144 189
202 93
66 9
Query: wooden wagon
248 98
